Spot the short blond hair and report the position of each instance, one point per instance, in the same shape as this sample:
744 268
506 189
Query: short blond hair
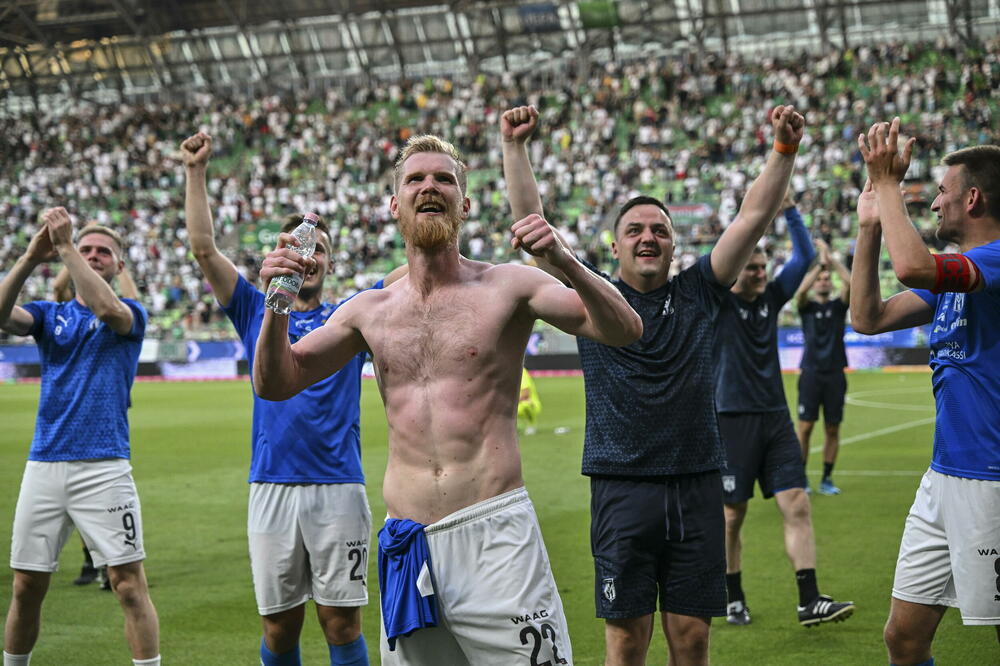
94 228
428 143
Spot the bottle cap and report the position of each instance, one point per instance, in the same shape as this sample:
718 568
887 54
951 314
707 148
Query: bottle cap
312 218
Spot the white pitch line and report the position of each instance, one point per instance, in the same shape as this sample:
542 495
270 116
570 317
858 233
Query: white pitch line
877 433
854 398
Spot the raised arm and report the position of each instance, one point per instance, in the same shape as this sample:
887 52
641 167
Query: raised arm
516 127
911 260
91 288
126 285
280 369
844 274
802 253
802 293
13 318
869 313
62 286
590 306
219 270
396 274
762 200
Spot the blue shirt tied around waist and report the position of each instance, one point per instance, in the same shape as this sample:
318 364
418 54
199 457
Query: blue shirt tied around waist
404 563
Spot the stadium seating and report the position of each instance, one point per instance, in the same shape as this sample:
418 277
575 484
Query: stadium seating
690 130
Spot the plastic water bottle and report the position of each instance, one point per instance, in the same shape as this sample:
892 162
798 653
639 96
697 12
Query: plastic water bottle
283 289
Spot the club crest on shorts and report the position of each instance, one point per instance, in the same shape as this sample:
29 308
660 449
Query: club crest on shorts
609 589
729 483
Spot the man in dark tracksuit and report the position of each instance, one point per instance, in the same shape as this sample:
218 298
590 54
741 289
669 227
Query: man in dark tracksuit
757 430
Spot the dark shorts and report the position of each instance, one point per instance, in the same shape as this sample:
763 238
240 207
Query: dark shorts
822 388
762 447
658 536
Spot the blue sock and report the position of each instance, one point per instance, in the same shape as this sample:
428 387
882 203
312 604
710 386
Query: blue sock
354 653
929 662
268 658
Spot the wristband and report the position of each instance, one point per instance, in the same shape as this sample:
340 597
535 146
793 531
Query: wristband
785 148
954 273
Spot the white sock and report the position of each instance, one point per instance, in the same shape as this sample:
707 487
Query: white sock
16 659
155 661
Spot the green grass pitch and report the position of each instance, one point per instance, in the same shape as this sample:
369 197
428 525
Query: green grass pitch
190 445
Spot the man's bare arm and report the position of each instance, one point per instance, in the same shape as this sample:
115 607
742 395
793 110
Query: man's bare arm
763 200
126 285
869 313
516 127
62 286
13 318
802 294
592 307
845 277
911 260
280 369
396 274
219 270
97 294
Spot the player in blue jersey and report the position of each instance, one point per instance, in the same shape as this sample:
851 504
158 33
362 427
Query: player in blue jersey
822 381
652 448
78 470
949 551
308 521
62 289
760 440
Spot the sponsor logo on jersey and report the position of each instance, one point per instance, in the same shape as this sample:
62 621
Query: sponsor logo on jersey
530 615
668 309
608 590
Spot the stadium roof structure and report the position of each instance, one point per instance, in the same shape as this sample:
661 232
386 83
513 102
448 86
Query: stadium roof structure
111 50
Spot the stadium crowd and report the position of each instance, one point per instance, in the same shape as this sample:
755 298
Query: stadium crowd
687 129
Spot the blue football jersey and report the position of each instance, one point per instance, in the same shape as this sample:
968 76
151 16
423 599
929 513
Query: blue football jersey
965 359
87 373
313 437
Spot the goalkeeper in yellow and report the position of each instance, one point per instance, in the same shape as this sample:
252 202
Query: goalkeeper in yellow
529 406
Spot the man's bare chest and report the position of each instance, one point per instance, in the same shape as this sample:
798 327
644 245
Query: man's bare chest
449 334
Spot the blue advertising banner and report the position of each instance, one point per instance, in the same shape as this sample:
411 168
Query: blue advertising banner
541 17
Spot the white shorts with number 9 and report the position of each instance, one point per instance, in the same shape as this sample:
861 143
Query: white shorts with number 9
98 496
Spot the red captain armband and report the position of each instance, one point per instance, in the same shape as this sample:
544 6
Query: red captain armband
955 272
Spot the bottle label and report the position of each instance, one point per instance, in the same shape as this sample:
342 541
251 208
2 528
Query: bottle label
289 284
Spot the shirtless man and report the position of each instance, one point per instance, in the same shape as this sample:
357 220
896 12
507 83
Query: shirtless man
453 333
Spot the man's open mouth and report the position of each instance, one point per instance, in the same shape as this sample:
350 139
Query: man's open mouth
430 207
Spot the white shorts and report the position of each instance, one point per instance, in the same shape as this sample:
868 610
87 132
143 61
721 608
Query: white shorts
497 600
98 496
950 552
308 541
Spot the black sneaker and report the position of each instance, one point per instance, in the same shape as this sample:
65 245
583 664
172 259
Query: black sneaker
103 577
824 609
87 575
737 613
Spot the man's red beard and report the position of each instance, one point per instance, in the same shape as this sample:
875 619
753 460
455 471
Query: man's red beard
435 231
